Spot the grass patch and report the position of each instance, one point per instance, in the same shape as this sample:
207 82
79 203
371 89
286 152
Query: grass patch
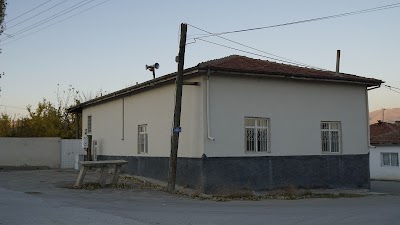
95 186
287 193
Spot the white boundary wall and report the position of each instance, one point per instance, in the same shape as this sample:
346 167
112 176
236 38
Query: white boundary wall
380 172
18 152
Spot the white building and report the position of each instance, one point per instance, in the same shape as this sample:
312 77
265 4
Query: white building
248 124
384 157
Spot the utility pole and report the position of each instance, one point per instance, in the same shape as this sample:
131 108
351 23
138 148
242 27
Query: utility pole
77 125
337 62
177 111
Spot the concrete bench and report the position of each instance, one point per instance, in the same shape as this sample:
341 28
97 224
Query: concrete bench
85 165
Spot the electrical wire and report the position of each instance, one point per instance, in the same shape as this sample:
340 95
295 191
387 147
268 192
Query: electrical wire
56 22
8 106
240 50
390 6
391 87
247 46
28 11
23 21
55 16
50 18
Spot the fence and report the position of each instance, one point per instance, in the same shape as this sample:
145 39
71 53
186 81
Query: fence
39 152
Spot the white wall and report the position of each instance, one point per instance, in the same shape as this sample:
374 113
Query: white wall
17 152
380 172
295 109
154 108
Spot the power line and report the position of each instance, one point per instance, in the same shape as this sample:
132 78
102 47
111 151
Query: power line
391 87
15 107
395 5
56 22
23 21
240 50
53 17
28 11
247 46
50 18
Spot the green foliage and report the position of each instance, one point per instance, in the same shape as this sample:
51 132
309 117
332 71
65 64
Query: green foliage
45 121
48 119
5 126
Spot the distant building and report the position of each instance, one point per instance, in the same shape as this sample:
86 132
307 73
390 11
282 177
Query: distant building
384 157
248 124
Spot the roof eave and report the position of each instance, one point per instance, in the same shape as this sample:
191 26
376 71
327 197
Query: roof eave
128 91
366 81
386 144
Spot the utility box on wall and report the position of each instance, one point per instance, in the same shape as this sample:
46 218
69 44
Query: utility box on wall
85 141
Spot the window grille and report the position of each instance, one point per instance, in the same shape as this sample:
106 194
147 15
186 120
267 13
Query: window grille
389 159
89 124
142 139
256 134
331 137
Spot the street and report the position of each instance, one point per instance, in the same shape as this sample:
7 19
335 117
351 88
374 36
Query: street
39 197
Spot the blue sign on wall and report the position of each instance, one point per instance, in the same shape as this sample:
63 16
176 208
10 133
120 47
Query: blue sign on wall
177 129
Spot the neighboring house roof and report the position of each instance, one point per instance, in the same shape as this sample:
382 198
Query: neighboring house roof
383 133
239 65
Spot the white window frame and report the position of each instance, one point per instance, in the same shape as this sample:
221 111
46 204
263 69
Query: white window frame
255 147
143 139
392 163
327 147
89 124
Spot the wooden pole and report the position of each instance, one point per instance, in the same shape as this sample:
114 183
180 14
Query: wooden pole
177 111
337 62
77 125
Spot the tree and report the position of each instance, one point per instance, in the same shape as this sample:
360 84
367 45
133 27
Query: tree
3 4
48 119
5 125
45 121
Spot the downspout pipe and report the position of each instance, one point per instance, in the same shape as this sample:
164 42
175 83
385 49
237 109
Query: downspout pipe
367 105
208 106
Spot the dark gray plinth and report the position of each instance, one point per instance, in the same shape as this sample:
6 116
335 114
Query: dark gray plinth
256 173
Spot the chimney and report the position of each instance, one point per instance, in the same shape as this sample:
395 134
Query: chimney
337 61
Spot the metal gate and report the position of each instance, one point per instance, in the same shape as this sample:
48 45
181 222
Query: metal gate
70 151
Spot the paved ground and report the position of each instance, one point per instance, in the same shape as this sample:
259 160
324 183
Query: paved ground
37 197
389 187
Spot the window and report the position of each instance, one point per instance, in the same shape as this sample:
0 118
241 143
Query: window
331 137
142 139
256 134
89 124
389 159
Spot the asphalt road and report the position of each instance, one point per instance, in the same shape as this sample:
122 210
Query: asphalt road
388 187
37 197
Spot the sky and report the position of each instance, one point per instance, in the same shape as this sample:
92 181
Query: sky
107 46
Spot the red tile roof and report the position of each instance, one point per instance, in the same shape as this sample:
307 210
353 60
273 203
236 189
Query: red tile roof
242 64
383 133
237 65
